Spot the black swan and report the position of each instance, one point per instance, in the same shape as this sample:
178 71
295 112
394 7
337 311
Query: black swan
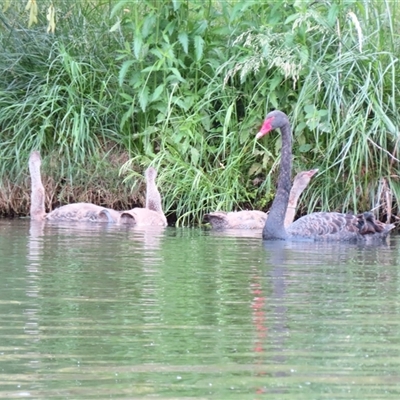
83 212
254 219
316 226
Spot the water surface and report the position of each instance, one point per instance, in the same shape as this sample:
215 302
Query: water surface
91 311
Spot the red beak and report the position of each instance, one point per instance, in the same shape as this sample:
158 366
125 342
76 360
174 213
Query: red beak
266 127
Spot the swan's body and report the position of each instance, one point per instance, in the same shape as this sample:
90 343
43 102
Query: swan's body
253 219
77 212
339 226
142 217
152 214
88 212
316 226
245 219
83 212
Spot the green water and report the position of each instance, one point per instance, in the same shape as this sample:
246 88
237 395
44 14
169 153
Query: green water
94 312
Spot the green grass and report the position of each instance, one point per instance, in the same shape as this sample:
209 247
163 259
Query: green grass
184 86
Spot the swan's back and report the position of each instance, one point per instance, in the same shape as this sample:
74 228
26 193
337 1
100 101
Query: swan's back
83 212
334 226
246 219
142 217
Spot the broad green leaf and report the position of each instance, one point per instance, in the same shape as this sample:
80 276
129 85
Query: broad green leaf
127 97
124 70
206 121
325 127
148 25
255 169
305 148
181 103
170 29
201 27
244 136
322 113
258 152
304 55
266 157
177 74
333 14
312 123
275 82
195 155
291 18
165 36
176 4
273 100
299 129
198 46
144 98
157 92
136 80
151 68
309 108
157 53
184 41
137 45
301 140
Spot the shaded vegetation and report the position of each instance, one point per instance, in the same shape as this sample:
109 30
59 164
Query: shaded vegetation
184 86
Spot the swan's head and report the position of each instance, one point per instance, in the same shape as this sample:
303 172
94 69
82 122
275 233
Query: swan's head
274 119
302 179
35 158
151 174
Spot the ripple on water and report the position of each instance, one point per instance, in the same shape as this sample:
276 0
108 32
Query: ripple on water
95 311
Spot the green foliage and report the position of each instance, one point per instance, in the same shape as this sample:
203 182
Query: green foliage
184 86
192 127
330 70
59 94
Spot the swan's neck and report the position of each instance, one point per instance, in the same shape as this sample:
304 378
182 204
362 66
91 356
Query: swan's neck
274 227
153 197
294 196
37 209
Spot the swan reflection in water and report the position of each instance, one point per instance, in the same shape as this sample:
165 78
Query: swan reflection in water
284 275
81 234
